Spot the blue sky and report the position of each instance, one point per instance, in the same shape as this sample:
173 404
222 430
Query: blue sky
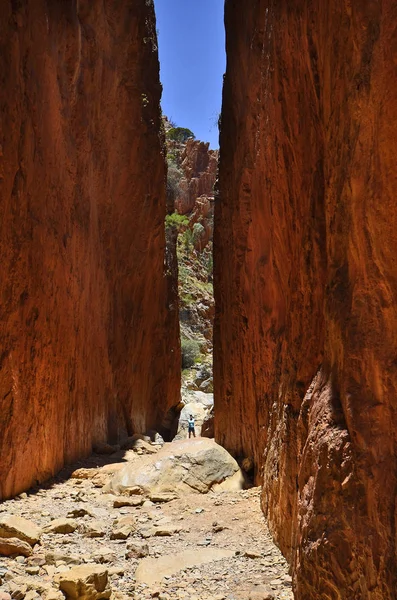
192 63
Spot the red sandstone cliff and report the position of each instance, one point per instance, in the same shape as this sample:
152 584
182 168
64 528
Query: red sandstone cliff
306 280
199 165
89 349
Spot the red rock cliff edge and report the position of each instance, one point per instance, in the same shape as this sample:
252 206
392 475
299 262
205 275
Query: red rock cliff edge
305 368
89 349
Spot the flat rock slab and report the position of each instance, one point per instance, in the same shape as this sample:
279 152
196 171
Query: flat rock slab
12 526
61 526
152 570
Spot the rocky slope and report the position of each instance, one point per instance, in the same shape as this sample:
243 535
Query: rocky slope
305 245
192 171
88 322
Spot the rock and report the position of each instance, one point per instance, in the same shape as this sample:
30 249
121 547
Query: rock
61 526
122 528
133 490
12 526
104 448
78 513
137 549
186 466
162 497
104 555
232 484
53 595
155 437
14 547
248 464
52 558
18 590
207 386
32 595
94 529
166 529
252 554
87 582
207 428
5 596
132 501
84 473
129 443
117 595
37 560
145 447
152 570
261 592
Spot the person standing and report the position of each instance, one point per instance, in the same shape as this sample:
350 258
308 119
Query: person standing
190 423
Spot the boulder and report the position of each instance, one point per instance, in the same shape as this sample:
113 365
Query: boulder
86 582
180 467
14 547
12 526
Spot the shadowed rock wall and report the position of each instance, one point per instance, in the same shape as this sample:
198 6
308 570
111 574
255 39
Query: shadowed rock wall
305 370
89 349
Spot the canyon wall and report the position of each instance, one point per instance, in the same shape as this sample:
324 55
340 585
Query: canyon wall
305 340
89 342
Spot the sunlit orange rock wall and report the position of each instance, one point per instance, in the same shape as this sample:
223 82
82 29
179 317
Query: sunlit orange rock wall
199 165
306 282
88 348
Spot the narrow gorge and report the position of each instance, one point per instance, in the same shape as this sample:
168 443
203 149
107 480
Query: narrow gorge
303 228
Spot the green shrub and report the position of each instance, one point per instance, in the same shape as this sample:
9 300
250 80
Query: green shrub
180 134
176 220
190 351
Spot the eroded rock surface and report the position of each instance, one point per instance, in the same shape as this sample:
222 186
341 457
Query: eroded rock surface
305 245
88 320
